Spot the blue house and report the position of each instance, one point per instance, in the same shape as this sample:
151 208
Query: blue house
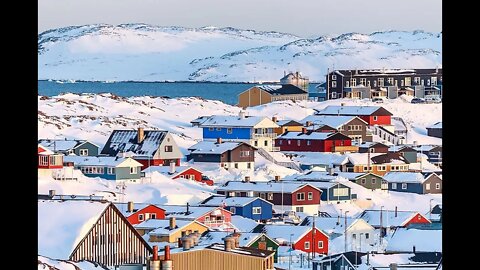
413 182
254 130
120 169
70 147
254 208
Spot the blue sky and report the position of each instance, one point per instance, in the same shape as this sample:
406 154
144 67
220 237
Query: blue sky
306 18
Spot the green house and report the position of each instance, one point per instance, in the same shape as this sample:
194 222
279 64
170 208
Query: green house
371 181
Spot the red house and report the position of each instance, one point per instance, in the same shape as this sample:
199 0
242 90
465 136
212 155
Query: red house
303 238
179 172
213 217
311 141
48 160
393 218
373 115
137 213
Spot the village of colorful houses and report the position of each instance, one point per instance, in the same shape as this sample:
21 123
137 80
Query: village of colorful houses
319 217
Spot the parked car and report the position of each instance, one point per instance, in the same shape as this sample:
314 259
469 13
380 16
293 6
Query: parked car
418 100
377 100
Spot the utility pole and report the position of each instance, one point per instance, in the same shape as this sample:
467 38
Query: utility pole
290 253
313 237
328 84
346 230
430 213
381 225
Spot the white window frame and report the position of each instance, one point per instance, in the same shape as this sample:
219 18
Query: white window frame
232 209
334 77
83 152
257 210
229 130
408 81
133 170
249 165
416 80
299 209
306 245
437 186
320 244
381 82
375 118
301 194
309 142
363 81
334 94
235 165
111 170
219 129
141 217
270 196
367 235
394 185
434 80
334 84
347 84
363 181
374 181
298 142
339 192
427 186
211 129
404 186
310 196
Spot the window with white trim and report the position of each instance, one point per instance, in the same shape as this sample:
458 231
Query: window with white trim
168 148
219 129
229 130
408 81
427 186
140 217
133 170
211 129
111 170
289 142
381 82
301 196
249 165
374 181
347 84
310 196
244 153
394 185
236 165
83 152
340 192
334 84
437 186
354 82
363 181
404 185
232 209
309 142
375 118
363 81
299 209
434 80
298 142
390 81
416 80
270 196
256 210
334 77
307 245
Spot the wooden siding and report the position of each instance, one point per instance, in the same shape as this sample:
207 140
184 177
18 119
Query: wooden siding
253 97
112 241
433 180
234 155
151 209
92 149
191 171
173 238
208 259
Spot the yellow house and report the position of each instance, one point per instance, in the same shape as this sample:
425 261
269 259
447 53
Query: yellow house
287 125
262 94
169 230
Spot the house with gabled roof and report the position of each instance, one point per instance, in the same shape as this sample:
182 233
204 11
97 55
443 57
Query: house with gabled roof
303 238
139 212
414 240
262 94
214 217
373 115
389 220
352 126
414 182
80 230
371 181
70 146
254 208
285 196
227 154
286 125
258 131
48 161
312 141
435 130
169 230
376 163
179 172
149 147
339 261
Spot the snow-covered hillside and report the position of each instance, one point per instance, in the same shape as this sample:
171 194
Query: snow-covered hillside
141 52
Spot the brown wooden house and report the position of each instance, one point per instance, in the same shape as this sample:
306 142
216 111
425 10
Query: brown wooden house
373 147
286 125
262 94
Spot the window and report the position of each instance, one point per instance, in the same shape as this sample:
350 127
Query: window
133 170
168 148
111 170
255 143
270 196
437 186
334 77
309 142
83 152
140 217
427 186
375 118
434 80
394 185
280 142
363 181
310 196
257 210
229 130
334 94
244 153
219 129
236 165
301 196
249 165
404 185
232 209
374 180
382 168
340 192
416 80
363 81
289 142
265 143
210 129
428 82
354 82
298 142
182 176
192 177
408 81
299 209
307 245
365 168
390 81
347 84
334 84
320 244
207 219
368 83
367 235
381 82
372 150
354 236
153 216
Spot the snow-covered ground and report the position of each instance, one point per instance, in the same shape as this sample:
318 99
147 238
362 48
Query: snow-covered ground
104 52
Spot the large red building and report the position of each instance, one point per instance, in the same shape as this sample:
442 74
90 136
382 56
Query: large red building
311 141
373 115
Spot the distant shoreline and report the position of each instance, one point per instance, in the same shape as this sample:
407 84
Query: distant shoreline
131 81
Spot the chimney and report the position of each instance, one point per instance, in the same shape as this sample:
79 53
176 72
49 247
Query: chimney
188 209
342 104
274 119
180 242
51 193
396 213
167 263
414 249
247 179
155 253
277 178
309 123
173 223
219 140
331 171
304 130
228 243
140 135
186 242
368 258
172 167
130 207
241 114
236 237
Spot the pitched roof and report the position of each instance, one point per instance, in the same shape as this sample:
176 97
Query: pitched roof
245 239
403 240
126 141
165 170
285 89
376 72
230 201
235 121
388 217
361 158
62 145
164 226
212 147
329 224
246 251
389 158
287 123
287 187
404 177
123 207
63 224
309 135
281 232
194 212
335 121
437 125
99 160
353 110
293 75
243 224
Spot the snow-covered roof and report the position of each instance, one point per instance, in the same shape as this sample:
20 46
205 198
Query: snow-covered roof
99 160
45 151
287 187
403 240
361 158
319 158
404 261
436 125
126 141
329 224
236 121
212 237
289 122
243 224
180 211
350 110
231 201
398 124
281 232
309 135
388 217
164 226
63 224
335 121
61 145
285 89
165 170
212 147
123 207
404 177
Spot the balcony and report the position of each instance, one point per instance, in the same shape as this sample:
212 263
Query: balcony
343 149
263 135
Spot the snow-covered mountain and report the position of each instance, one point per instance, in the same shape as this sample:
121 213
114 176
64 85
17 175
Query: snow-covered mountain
141 52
